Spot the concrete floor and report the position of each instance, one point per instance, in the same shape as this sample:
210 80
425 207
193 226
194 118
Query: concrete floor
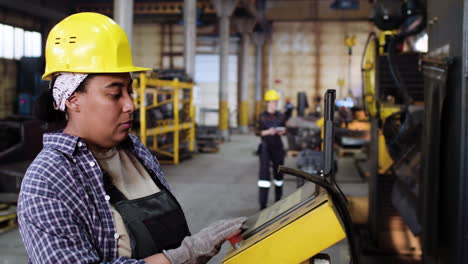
217 186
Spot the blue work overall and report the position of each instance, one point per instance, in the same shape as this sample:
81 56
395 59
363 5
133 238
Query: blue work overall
271 153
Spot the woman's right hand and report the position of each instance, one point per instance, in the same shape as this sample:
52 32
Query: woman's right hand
199 248
269 132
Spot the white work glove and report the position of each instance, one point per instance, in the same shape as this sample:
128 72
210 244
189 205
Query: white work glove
201 247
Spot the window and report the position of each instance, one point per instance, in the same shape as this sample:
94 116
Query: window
17 42
27 44
37 44
8 42
32 47
207 79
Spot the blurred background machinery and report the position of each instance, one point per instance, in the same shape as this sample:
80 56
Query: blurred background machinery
393 96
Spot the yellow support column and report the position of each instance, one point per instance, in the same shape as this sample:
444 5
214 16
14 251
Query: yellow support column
192 121
176 120
223 116
142 108
244 115
135 86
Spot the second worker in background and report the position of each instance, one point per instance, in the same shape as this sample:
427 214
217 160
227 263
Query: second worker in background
270 127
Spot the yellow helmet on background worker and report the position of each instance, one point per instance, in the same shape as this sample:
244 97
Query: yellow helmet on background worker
272 95
88 43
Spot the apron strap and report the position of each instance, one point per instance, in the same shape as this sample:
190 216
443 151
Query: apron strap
153 223
111 190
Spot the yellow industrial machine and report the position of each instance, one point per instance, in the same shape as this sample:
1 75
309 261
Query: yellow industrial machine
290 231
392 87
302 225
177 121
374 108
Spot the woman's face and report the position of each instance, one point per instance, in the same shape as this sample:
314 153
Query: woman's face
272 106
105 109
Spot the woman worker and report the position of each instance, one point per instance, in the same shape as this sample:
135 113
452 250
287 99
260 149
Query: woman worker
95 194
270 126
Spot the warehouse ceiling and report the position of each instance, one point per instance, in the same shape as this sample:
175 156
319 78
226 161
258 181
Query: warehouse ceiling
171 11
310 10
275 10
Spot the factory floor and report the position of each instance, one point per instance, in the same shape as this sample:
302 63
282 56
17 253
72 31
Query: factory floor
222 185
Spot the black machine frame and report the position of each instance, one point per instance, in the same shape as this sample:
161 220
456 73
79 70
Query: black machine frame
444 205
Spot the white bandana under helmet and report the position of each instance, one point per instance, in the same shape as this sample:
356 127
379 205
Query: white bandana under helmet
64 86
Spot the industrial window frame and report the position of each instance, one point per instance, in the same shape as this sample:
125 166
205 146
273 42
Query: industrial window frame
16 42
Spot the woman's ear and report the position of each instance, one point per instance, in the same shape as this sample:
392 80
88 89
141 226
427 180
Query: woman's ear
72 103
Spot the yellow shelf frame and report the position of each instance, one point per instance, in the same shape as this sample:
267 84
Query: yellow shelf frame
150 86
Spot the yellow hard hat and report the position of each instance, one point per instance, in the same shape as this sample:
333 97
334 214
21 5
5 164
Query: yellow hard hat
88 43
272 95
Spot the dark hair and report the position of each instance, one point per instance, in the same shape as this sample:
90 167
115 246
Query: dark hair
43 108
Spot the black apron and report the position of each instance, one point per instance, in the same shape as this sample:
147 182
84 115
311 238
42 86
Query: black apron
154 223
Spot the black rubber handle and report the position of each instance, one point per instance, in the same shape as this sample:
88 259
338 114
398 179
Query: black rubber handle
328 139
340 206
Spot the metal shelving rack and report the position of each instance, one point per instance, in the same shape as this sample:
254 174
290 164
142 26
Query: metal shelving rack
180 96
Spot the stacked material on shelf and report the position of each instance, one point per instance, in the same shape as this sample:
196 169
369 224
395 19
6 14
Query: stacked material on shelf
208 138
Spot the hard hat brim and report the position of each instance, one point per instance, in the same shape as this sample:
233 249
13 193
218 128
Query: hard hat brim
48 75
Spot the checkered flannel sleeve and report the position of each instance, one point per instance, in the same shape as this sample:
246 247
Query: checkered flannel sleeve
50 232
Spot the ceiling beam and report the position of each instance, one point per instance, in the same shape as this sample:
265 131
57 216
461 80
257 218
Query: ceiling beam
32 9
147 8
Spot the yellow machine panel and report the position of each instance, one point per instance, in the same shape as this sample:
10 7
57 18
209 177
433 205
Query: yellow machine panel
297 228
293 237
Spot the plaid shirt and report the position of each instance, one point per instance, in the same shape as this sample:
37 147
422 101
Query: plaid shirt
63 211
